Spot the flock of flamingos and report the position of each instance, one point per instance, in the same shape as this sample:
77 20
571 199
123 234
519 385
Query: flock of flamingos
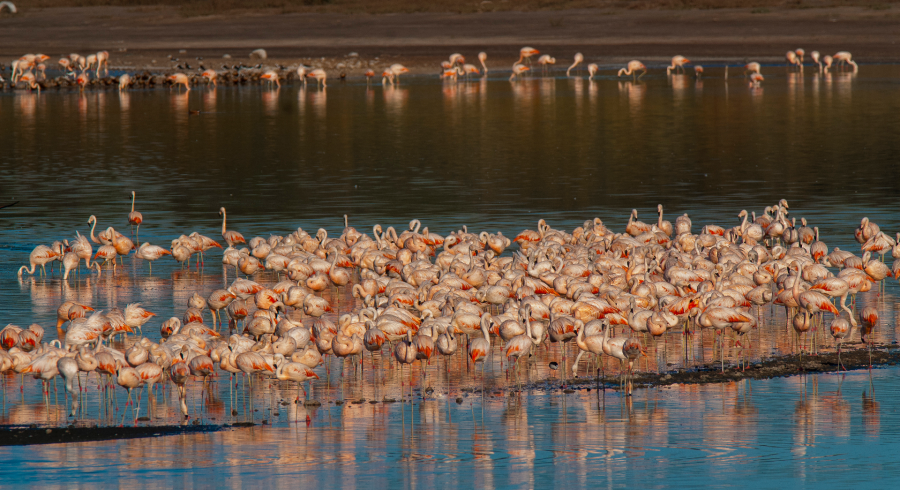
30 69
465 294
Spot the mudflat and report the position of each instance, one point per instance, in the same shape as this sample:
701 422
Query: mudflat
145 37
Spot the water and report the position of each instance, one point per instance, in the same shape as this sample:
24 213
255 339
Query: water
487 154
817 431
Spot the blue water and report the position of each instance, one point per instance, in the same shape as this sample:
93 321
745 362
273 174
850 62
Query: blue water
490 155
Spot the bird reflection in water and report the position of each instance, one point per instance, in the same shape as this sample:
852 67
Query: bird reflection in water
270 100
634 91
871 412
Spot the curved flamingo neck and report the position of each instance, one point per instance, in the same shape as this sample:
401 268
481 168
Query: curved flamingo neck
94 238
224 216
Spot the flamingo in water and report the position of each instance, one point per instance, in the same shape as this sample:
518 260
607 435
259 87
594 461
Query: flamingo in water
677 62
231 237
135 218
631 69
526 53
578 59
482 57
517 70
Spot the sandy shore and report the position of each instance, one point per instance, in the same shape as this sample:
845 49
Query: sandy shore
143 37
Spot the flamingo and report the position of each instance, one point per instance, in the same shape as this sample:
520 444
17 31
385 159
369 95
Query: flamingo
844 57
179 373
134 217
136 316
68 369
526 53
296 372
678 61
592 70
544 60
517 70
625 349
482 57
756 79
150 253
179 79
320 76
815 57
405 352
128 378
272 77
231 237
792 59
211 77
578 59
632 67
40 256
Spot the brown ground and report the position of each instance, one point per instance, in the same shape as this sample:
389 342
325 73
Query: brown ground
144 36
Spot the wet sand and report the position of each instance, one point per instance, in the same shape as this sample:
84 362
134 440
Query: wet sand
144 37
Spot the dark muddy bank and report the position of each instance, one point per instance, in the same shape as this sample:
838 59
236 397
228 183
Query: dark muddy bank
21 435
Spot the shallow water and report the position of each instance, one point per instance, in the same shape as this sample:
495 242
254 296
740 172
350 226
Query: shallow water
815 431
489 154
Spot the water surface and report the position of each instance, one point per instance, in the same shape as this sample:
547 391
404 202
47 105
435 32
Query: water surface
491 155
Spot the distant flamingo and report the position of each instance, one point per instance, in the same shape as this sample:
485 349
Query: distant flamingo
211 77
517 70
526 53
180 79
631 69
272 77
815 57
677 62
756 79
578 59
544 60
844 57
135 218
230 237
792 59
482 57
592 70
320 76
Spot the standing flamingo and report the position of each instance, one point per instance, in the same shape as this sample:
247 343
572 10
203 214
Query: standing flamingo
405 352
482 57
320 76
869 318
127 378
517 70
844 57
526 53
135 218
296 372
578 59
231 237
631 69
179 79
677 62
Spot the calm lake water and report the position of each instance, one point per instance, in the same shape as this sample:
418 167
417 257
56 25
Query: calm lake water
491 155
